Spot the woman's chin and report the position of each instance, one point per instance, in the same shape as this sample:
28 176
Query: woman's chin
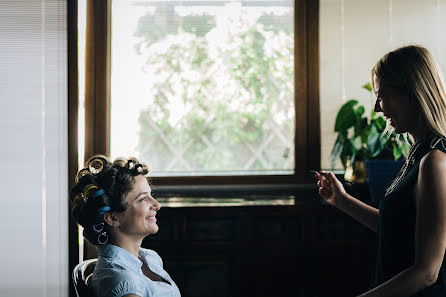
396 129
153 229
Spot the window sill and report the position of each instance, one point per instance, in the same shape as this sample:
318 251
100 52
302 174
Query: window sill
234 195
175 202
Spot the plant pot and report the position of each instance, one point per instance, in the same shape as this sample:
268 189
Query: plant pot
356 172
380 174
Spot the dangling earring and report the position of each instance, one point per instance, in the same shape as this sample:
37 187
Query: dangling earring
103 238
98 227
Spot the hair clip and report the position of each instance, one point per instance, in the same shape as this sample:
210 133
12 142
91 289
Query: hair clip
82 173
89 188
103 238
96 165
131 164
138 168
79 198
98 193
104 209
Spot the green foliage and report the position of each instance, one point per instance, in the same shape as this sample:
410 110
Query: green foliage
214 102
361 138
153 27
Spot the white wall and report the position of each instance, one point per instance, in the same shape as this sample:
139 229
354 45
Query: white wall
33 148
354 34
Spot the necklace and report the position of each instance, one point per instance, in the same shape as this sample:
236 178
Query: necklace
410 160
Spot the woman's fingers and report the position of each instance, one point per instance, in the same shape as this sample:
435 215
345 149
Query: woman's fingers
322 192
331 177
324 182
325 193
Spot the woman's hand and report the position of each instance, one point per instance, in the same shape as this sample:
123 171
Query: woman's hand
330 188
332 191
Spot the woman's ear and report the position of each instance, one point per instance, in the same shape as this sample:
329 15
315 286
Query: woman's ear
111 219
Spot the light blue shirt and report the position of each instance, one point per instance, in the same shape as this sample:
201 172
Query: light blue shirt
118 273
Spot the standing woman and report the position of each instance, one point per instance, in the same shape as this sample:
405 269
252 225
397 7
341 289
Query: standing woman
411 219
114 204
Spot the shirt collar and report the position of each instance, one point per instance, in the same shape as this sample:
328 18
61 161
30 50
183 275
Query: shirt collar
119 255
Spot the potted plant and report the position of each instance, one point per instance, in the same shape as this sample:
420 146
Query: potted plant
360 139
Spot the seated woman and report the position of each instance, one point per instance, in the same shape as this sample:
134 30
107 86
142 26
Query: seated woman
114 204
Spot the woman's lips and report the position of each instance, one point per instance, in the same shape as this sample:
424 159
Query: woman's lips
151 219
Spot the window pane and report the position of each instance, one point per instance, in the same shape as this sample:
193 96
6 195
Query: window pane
204 87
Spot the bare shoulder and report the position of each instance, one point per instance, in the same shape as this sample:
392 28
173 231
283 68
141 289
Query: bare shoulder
434 162
432 174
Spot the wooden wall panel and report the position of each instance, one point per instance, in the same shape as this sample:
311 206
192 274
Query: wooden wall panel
309 249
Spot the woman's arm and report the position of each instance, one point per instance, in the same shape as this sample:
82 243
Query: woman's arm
361 212
430 231
332 191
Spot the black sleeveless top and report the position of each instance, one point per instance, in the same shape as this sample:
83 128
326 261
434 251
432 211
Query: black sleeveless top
396 230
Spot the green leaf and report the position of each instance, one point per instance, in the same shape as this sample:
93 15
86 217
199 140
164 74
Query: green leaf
359 111
365 130
337 149
353 158
373 142
352 150
349 151
400 150
351 146
346 117
368 87
397 152
405 148
357 143
380 123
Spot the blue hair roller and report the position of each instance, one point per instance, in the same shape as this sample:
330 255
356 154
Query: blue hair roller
103 210
98 193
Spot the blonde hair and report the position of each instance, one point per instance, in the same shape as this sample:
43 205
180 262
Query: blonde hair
413 70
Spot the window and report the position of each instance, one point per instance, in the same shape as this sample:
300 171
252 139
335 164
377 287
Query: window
205 91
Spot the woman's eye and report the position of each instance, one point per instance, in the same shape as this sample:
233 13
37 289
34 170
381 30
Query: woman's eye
143 198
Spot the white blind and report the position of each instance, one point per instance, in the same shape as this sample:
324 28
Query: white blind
33 149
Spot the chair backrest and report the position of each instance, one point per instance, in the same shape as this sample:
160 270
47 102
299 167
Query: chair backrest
81 276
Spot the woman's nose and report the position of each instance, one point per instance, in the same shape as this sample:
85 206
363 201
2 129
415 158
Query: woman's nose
156 205
377 106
